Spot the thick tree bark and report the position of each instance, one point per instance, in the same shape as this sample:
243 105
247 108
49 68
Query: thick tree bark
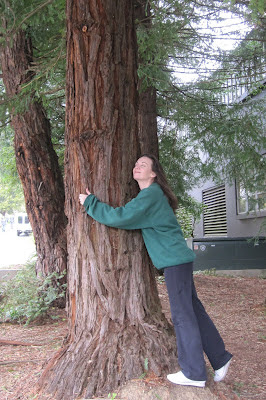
36 161
114 312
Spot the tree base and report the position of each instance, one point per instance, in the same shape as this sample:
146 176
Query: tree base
96 366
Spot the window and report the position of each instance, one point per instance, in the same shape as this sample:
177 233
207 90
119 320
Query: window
250 202
20 220
214 214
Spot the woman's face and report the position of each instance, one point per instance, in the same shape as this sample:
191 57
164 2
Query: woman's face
142 172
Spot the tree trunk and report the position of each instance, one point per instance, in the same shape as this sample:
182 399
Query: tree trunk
36 160
147 112
147 122
114 312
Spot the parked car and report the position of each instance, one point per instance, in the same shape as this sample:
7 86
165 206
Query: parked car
22 224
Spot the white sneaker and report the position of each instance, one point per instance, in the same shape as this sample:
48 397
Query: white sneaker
221 372
180 379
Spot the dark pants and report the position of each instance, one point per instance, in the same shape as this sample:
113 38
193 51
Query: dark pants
195 331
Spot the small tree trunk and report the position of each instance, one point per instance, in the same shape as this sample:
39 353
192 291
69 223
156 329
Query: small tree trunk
147 111
36 161
115 317
147 122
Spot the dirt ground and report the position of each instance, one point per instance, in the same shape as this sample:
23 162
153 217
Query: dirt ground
236 305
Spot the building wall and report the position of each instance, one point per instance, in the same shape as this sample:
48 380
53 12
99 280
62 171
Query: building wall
237 225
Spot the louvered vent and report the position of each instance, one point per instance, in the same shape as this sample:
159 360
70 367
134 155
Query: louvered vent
214 215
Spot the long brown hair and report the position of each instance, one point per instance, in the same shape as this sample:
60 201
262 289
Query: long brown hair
162 181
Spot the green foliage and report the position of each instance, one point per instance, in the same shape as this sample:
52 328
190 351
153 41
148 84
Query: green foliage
180 161
195 124
27 297
146 369
160 279
255 10
166 39
112 396
209 272
11 198
218 141
11 194
185 220
7 157
182 164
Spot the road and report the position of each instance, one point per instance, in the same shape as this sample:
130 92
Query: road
15 249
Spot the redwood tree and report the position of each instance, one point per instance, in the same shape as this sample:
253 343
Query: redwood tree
36 160
114 312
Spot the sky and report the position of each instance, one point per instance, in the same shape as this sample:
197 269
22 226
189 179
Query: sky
225 38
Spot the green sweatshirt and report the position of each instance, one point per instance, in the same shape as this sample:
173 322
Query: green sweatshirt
149 211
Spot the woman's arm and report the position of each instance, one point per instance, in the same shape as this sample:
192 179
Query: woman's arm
134 215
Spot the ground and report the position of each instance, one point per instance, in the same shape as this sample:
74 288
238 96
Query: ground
236 305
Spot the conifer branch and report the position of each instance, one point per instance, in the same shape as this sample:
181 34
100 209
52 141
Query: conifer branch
33 12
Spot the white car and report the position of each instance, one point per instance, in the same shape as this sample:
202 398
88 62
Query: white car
22 224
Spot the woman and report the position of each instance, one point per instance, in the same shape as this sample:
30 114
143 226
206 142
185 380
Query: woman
153 211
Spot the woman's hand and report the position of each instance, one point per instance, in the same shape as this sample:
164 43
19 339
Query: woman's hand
82 197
